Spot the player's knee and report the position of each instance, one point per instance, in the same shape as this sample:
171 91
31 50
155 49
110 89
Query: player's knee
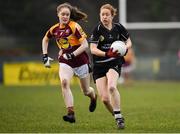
64 83
111 89
88 91
106 101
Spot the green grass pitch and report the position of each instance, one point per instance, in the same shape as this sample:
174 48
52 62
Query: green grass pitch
147 107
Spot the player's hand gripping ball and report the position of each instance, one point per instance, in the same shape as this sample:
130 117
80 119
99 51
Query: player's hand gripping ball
120 47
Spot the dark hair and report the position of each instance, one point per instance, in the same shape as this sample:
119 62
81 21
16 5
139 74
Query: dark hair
76 14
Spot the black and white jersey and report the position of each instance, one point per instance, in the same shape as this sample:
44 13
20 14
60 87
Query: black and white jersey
104 38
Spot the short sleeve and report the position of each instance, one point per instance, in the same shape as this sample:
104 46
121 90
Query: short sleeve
79 33
94 38
124 34
48 34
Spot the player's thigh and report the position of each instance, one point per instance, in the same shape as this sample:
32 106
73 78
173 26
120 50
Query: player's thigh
85 82
65 72
112 76
101 84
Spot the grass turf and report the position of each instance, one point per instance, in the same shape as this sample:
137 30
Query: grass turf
147 107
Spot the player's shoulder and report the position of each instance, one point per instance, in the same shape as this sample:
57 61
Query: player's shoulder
73 24
98 27
54 26
120 26
51 29
117 24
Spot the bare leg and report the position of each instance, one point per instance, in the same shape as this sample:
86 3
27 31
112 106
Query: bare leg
88 91
112 76
66 74
85 86
103 92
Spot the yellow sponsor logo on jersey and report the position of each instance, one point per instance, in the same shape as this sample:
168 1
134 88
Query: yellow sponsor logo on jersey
101 38
63 43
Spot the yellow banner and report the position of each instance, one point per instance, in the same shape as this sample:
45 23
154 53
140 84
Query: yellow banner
31 73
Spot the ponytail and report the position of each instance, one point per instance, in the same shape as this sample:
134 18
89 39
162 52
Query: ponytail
76 14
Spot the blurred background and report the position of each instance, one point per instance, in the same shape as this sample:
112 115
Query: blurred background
23 24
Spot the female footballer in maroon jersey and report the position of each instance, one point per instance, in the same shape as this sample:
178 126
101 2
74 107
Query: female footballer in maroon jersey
71 40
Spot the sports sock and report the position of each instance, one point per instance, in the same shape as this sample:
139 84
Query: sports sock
70 110
117 114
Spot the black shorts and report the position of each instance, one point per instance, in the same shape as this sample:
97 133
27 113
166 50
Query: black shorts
101 69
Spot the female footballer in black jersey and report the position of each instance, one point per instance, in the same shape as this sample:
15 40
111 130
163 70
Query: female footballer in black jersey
106 63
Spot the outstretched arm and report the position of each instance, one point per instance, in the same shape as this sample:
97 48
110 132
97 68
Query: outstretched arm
45 42
46 59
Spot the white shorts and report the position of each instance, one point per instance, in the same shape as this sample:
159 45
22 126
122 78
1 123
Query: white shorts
81 72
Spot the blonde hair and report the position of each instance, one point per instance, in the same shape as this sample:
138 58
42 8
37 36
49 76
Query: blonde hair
76 14
109 7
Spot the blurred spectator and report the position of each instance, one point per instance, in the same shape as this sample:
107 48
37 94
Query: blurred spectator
127 68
